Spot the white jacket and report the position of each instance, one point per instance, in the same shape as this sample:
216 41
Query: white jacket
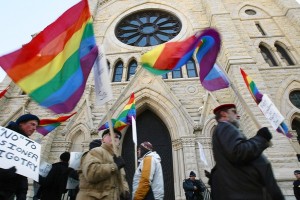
148 176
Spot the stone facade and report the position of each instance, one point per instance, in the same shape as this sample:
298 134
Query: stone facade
183 104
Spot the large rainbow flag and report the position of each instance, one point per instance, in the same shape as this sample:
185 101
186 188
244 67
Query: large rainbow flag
125 118
54 66
257 96
48 125
172 55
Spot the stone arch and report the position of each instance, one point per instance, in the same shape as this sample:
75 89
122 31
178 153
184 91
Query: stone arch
268 54
239 12
285 106
289 56
79 135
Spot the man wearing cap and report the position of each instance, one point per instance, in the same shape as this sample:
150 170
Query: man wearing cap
296 184
148 182
193 188
53 186
101 173
12 184
241 170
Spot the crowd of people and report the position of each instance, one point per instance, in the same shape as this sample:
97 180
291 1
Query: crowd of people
241 170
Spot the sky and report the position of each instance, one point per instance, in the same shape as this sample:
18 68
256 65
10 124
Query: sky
19 19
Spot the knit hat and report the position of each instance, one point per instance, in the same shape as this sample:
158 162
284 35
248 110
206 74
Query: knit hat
192 174
95 143
297 172
65 156
26 118
115 131
223 107
147 145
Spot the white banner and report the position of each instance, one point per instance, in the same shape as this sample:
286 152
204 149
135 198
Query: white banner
102 84
45 168
75 160
201 153
270 111
21 152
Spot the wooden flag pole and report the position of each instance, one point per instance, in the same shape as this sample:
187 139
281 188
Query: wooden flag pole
111 131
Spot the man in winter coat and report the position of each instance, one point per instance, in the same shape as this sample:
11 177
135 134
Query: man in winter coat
193 188
148 182
241 171
54 185
101 173
12 184
296 184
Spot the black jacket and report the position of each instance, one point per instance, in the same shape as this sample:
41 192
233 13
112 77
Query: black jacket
54 185
296 189
241 171
10 182
190 193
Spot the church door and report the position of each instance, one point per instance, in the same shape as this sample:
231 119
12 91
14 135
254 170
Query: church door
151 128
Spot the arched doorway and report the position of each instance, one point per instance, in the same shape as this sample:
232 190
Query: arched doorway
296 126
151 128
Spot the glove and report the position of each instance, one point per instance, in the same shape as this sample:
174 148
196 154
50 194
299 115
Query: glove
265 133
119 161
207 174
12 170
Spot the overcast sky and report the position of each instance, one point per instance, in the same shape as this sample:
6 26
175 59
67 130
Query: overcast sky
19 19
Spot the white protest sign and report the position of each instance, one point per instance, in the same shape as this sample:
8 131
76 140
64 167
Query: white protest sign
45 168
21 152
102 84
270 111
72 183
75 160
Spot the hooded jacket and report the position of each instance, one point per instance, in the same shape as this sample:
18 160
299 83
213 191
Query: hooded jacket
148 178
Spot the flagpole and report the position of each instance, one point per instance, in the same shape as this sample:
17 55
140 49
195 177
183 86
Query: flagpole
134 138
111 131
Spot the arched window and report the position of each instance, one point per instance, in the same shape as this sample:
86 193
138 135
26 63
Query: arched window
295 98
191 69
164 76
131 69
177 73
267 55
284 56
118 72
296 127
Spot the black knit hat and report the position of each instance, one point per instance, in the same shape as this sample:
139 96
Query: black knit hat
115 131
95 143
65 156
297 172
26 118
192 174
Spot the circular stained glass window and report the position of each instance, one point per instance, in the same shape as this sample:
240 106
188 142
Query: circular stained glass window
147 28
295 98
250 12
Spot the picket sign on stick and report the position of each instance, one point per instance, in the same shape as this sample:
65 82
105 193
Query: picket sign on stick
21 152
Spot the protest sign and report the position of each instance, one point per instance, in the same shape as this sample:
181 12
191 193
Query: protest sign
270 111
21 152
72 183
75 160
45 168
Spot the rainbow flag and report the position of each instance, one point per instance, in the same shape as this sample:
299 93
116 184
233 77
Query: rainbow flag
125 118
2 93
54 66
48 125
172 55
257 96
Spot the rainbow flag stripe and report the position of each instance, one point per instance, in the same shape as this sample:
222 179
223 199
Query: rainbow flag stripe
125 118
2 93
172 55
48 125
53 68
257 96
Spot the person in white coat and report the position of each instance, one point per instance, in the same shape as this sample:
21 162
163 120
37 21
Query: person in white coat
148 182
